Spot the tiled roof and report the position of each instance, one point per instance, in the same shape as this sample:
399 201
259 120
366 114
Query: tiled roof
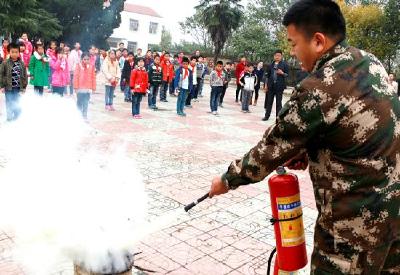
140 10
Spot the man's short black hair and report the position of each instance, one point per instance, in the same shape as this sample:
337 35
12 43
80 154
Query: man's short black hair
185 60
193 58
313 16
13 45
166 53
131 53
278 51
228 63
249 64
219 62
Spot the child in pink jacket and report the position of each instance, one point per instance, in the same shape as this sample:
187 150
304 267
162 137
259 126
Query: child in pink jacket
60 73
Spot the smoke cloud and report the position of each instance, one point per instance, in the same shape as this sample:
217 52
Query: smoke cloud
63 199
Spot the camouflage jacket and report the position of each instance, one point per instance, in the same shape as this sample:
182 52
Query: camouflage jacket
345 116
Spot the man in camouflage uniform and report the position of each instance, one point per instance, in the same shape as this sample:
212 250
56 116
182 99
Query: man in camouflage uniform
344 120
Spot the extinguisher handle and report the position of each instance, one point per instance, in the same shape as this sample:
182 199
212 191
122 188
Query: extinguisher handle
193 204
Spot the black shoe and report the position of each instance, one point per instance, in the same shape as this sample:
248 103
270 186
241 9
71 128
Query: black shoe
265 119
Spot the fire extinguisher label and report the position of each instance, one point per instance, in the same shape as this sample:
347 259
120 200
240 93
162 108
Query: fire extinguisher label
292 232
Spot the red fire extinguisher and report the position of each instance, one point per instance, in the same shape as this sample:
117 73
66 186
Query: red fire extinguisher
288 223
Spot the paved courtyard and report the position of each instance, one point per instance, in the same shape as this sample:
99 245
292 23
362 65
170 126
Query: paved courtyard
230 234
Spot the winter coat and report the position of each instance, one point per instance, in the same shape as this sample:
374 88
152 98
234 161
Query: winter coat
215 80
249 81
239 71
126 71
147 62
51 54
25 57
85 77
74 58
280 84
168 71
201 70
6 74
155 75
39 69
260 75
28 51
228 76
139 77
60 69
110 70
179 78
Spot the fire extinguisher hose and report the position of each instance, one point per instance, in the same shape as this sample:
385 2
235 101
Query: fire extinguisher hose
270 260
273 220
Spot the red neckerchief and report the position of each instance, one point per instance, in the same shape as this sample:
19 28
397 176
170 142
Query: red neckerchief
131 63
186 73
219 73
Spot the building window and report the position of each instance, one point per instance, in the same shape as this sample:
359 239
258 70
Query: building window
133 25
153 27
132 46
113 42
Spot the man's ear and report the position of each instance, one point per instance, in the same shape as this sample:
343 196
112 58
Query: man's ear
319 42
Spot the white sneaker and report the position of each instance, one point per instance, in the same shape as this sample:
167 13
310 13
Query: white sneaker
214 113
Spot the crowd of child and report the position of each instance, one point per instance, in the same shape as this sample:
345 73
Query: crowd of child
153 75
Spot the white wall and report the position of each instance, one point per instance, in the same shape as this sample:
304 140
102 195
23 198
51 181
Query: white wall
142 36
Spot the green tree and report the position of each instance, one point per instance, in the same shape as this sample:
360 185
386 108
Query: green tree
269 13
19 16
86 21
391 32
252 41
220 18
166 40
194 27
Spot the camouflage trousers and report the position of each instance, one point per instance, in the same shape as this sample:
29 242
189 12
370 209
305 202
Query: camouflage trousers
384 259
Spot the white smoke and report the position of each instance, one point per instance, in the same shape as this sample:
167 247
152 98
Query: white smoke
61 198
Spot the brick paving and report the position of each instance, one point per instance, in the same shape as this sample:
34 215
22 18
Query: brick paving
178 157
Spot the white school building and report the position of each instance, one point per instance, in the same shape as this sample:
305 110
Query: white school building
140 27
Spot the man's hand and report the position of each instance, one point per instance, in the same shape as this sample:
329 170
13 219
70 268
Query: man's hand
266 89
279 71
299 162
218 187
2 90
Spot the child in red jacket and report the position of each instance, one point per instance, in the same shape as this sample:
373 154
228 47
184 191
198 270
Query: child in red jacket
139 84
168 77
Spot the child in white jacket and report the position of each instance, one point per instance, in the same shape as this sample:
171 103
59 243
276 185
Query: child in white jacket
248 82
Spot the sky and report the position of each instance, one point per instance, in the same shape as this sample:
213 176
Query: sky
173 11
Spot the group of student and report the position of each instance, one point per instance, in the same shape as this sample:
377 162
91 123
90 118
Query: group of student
153 75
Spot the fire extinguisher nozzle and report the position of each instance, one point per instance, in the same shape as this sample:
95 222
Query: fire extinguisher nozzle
281 170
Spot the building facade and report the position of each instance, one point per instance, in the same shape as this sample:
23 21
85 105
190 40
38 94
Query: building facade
140 27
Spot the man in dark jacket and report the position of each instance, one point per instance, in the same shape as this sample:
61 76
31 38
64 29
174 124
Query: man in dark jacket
275 84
